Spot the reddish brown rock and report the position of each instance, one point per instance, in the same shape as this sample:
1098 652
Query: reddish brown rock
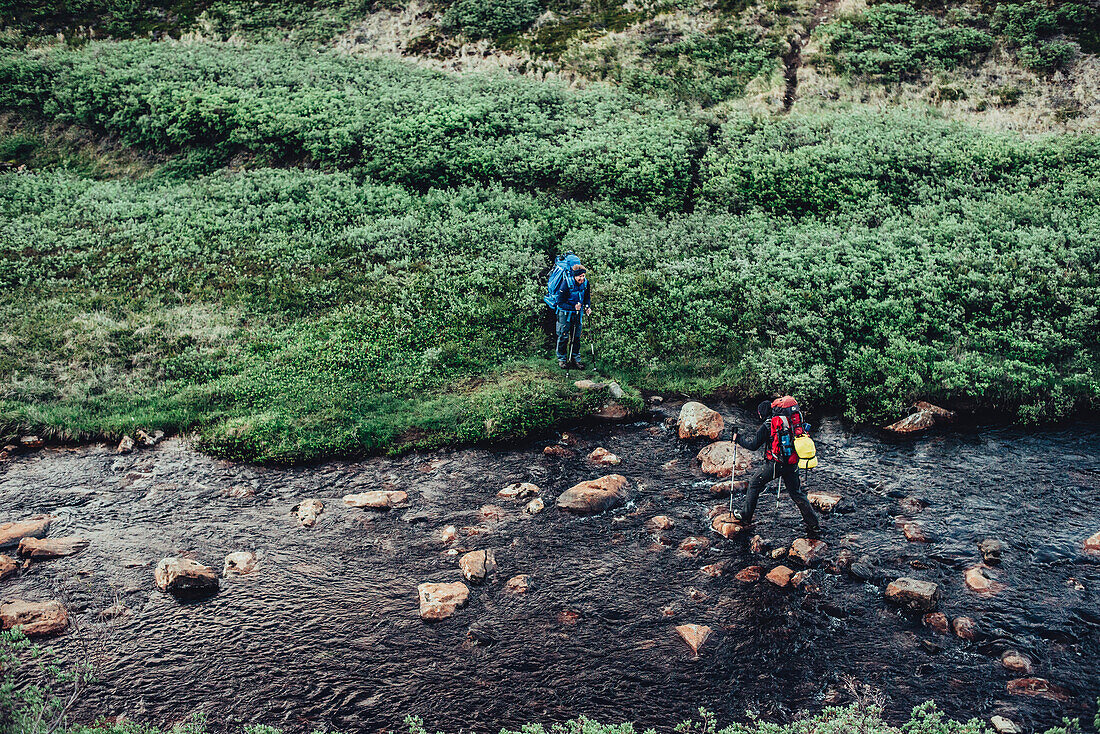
534 507
807 551
913 594
911 505
34 527
1039 687
780 576
558 451
603 457
823 501
923 417
979 580
657 523
723 458
439 601
518 491
307 512
8 566
184 576
758 545
778 553
520 584
714 570
695 635
478 565
698 421
800 578
594 496
726 525
936 621
491 512
1016 662
379 499
1092 544
965 628
750 575
34 618
613 412
914 533
125 446
28 443
41 549
694 545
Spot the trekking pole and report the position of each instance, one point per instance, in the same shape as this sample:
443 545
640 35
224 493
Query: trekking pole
569 325
733 473
778 486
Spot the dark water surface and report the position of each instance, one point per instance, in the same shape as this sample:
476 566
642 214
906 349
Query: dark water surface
326 633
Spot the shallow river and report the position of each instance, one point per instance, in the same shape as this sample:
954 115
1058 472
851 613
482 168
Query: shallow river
326 633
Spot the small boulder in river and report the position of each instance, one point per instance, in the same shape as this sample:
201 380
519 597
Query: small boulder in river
1092 544
923 417
979 579
449 534
965 628
594 495
520 584
603 457
1016 662
658 523
913 594
695 635
1039 687
1001 725
823 501
34 527
241 562
698 421
991 550
780 576
41 549
722 458
8 566
439 601
694 545
35 618
534 507
307 511
726 525
914 533
807 551
749 575
125 446
185 577
378 499
477 565
518 491
559 451
937 622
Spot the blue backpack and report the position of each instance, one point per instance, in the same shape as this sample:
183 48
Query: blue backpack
563 270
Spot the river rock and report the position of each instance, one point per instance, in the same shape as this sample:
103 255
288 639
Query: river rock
520 584
1016 662
448 534
307 511
41 549
823 501
979 580
1092 544
477 565
534 507
726 525
13 532
378 499
913 594
439 601
613 412
991 550
698 421
780 576
914 533
778 553
722 458
807 551
694 545
802 577
594 495
125 446
923 417
240 562
35 618
937 622
185 577
714 570
1039 687
559 451
749 575
658 523
1001 725
491 512
603 457
8 566
589 385
758 545
28 443
695 635
911 505
965 628
518 491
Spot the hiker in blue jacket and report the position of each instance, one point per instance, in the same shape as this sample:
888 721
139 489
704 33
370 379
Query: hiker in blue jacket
574 299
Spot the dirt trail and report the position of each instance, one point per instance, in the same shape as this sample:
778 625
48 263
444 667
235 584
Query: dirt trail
792 60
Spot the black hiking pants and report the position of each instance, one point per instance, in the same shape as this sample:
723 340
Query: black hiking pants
789 475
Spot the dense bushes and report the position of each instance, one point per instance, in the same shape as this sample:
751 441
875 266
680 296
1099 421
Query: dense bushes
892 42
1030 27
385 119
490 18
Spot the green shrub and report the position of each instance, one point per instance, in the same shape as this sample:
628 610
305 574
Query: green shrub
1029 26
490 18
893 42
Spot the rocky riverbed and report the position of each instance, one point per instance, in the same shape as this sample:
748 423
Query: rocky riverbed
592 572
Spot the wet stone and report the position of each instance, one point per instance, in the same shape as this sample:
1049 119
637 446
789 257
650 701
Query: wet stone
1016 662
714 570
603 457
807 551
307 512
698 421
1092 544
749 575
8 566
780 576
914 533
478 565
694 545
518 491
658 523
913 594
439 601
240 562
41 549
924 417
185 577
965 628
937 622
125 446
34 618
726 525
534 507
34 527
448 534
520 584
379 499
559 452
979 580
722 489
1038 687
594 496
723 459
778 553
823 501
695 635
758 545
991 550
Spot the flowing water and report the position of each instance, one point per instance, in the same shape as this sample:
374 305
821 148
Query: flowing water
326 634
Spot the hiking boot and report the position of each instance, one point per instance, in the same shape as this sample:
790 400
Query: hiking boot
814 532
740 518
577 364
563 364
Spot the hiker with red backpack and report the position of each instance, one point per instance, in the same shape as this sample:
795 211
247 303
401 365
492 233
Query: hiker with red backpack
781 429
567 292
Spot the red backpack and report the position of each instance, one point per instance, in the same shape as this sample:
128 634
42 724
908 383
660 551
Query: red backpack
786 425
